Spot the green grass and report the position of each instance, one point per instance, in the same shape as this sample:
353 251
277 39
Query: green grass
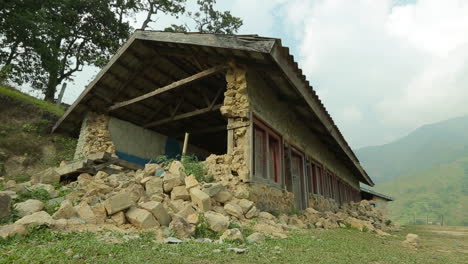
43 105
333 246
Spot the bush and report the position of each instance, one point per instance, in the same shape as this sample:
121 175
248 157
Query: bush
191 164
38 194
203 230
388 222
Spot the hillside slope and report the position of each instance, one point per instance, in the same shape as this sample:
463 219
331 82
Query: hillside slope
427 146
435 192
26 145
426 171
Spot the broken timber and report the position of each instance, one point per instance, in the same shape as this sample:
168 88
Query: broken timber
183 116
93 163
185 81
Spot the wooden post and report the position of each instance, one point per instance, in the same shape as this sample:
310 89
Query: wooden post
414 219
442 222
62 91
427 219
184 148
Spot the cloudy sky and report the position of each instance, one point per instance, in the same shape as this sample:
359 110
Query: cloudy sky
381 67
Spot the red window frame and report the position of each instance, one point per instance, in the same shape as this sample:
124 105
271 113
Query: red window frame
269 153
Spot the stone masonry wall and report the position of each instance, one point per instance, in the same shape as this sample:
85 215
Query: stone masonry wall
95 136
232 169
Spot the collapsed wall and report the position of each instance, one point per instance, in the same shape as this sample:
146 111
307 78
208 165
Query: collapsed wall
232 169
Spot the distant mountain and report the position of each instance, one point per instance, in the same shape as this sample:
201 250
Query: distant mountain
426 172
427 146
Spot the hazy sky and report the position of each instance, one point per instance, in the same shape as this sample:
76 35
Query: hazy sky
381 67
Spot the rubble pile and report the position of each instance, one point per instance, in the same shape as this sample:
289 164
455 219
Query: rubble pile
168 201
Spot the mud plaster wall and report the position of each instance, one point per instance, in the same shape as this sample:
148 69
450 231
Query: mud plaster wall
278 115
94 136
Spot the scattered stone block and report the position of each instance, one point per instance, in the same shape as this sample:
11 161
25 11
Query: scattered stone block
100 213
119 218
36 219
158 211
256 238
177 168
65 211
212 188
181 227
7 231
141 218
191 182
5 206
85 213
193 219
232 235
186 211
154 186
150 169
234 210
253 212
223 197
170 181
48 176
28 207
411 241
118 203
201 199
245 204
266 215
180 192
216 221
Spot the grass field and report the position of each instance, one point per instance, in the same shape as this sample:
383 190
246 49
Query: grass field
314 246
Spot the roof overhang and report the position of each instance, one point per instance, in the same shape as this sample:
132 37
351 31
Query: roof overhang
180 54
374 193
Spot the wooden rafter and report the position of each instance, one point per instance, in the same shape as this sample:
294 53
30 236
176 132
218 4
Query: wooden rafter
185 81
184 115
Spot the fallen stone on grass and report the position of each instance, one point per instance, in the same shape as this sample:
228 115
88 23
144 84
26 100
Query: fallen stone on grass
232 235
216 221
65 211
141 218
256 238
158 211
36 219
28 207
7 231
118 203
411 241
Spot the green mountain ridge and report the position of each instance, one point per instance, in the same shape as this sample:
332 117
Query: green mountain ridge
425 171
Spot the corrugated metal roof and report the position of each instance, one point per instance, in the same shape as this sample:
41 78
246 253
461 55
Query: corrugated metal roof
383 196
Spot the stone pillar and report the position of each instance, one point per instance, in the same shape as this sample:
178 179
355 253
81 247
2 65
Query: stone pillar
94 136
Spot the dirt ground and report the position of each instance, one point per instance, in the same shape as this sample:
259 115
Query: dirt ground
442 239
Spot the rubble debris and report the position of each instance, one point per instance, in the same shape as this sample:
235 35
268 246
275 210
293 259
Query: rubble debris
174 204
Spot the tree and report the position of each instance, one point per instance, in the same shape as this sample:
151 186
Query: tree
208 19
44 42
52 39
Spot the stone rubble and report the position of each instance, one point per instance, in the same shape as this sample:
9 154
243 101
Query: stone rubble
141 200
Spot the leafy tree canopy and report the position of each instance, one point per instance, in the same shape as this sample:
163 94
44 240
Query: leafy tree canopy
44 42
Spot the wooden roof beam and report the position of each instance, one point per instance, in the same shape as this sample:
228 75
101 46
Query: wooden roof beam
183 116
185 81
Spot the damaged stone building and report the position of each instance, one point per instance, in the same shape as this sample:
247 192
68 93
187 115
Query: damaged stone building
250 112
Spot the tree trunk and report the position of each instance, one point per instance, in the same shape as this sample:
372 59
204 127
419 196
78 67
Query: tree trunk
51 87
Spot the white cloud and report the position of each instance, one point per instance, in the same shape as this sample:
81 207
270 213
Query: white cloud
399 66
381 68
